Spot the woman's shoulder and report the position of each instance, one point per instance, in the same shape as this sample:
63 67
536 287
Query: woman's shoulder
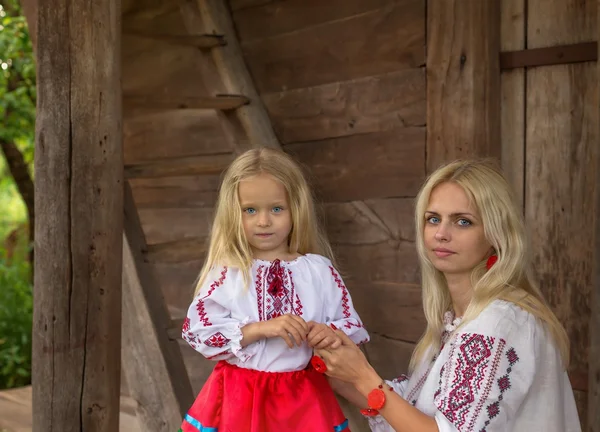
505 320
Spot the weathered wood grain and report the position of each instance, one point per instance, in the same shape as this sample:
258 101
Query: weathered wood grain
275 18
373 43
463 80
377 165
562 145
389 357
175 192
372 104
153 365
512 105
79 223
176 133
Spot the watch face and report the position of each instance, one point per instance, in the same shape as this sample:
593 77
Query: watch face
376 399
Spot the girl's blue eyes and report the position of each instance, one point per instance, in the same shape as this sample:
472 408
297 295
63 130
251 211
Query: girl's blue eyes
251 210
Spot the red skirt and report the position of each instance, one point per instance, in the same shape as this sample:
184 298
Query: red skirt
235 399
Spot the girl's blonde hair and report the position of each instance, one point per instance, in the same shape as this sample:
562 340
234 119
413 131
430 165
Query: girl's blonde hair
228 244
509 279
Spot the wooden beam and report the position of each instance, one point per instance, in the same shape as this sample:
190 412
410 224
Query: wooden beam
234 74
463 80
512 106
79 203
201 41
593 418
189 249
183 166
561 54
156 375
219 102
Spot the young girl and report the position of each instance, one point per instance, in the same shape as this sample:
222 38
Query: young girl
267 295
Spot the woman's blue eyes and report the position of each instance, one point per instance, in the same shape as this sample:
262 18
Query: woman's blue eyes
461 222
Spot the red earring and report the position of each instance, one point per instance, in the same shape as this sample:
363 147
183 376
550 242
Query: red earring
491 261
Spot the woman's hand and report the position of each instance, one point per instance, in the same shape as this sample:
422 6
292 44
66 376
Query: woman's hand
348 363
291 328
322 336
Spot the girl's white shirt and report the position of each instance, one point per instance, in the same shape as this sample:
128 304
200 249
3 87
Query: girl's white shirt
499 372
312 289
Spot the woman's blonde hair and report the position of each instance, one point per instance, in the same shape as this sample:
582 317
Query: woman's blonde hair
228 244
509 279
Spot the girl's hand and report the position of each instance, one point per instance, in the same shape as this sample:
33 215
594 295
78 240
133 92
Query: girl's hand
291 328
322 336
348 363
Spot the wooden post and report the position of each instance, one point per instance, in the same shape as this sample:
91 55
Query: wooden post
79 199
594 355
463 80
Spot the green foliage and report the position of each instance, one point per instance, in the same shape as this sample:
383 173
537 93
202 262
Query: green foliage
16 310
17 125
17 79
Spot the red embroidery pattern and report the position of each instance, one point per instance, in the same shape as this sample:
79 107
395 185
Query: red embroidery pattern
345 300
217 355
504 384
274 293
466 381
218 340
202 315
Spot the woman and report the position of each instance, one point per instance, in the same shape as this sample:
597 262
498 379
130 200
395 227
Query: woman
493 356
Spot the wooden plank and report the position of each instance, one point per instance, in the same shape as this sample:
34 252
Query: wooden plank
562 54
219 102
562 109
175 192
386 40
191 222
243 4
272 19
369 222
389 357
377 165
177 133
372 104
201 41
463 80
178 251
512 104
174 69
593 412
378 263
152 363
176 281
79 204
402 317
145 15
16 411
197 165
235 76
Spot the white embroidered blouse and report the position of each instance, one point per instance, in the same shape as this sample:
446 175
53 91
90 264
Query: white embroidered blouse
308 286
500 372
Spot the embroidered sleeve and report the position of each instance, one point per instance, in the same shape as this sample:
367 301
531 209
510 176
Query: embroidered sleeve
209 327
482 384
341 310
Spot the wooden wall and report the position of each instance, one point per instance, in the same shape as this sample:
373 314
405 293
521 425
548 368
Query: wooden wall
344 84
550 145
